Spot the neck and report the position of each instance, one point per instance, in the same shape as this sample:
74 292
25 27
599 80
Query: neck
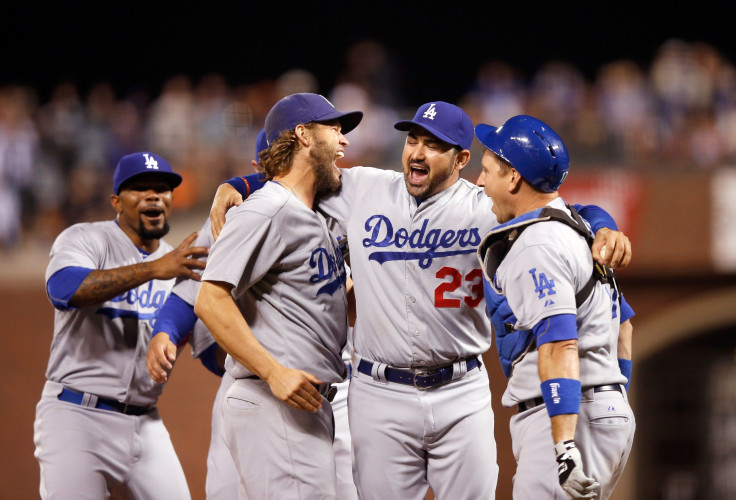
148 245
534 201
300 182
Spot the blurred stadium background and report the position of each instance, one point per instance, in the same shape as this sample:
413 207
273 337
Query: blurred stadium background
652 140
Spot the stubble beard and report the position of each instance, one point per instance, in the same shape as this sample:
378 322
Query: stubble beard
325 178
155 233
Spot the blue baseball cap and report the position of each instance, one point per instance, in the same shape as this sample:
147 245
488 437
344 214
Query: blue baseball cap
305 108
443 120
261 142
136 164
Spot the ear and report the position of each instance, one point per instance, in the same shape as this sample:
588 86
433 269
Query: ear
116 203
462 159
515 181
302 135
255 166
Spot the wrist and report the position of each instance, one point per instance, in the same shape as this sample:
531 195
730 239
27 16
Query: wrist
561 396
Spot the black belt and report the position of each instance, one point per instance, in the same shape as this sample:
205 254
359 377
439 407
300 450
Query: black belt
421 379
75 397
328 391
532 403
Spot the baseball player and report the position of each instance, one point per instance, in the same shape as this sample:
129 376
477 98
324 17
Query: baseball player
562 347
171 329
419 401
273 295
97 428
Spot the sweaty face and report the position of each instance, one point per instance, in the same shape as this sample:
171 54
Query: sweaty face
429 164
143 207
495 179
329 145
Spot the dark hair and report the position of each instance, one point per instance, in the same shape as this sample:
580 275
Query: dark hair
277 158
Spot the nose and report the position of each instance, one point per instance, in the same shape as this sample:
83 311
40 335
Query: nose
344 140
152 194
481 181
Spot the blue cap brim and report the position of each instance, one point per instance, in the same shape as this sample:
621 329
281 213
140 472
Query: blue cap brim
171 178
486 135
348 121
406 125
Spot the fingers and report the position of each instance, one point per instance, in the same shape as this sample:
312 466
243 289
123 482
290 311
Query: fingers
196 263
197 252
189 240
308 398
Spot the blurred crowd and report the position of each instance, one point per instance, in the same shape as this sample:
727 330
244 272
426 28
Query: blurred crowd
57 154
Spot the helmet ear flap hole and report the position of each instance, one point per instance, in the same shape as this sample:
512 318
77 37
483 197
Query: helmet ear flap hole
549 148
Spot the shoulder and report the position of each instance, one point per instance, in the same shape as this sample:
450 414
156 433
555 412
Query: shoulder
369 174
88 231
266 202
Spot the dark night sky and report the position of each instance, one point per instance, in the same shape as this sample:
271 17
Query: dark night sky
438 46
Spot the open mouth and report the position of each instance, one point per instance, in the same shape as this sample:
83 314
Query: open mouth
153 214
417 173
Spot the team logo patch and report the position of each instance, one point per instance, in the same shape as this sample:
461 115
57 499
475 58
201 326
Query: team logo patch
328 267
542 285
381 234
136 303
430 113
151 162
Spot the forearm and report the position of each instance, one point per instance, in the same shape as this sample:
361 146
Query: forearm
625 336
559 360
217 310
104 284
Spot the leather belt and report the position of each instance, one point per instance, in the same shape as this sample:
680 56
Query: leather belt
77 398
421 379
533 403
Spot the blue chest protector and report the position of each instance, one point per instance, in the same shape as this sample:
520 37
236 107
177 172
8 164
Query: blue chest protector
512 344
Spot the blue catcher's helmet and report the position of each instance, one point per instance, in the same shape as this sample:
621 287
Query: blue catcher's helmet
531 147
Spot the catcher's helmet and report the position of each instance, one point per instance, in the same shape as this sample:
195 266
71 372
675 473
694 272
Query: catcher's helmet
531 147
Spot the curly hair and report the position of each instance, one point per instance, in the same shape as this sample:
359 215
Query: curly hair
277 158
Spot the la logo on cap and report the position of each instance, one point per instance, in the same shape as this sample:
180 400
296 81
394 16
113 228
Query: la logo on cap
430 113
151 162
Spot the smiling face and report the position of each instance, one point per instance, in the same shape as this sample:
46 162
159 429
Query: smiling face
329 145
430 164
143 207
496 181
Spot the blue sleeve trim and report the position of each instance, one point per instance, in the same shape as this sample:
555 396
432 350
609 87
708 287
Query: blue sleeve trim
626 366
562 396
596 217
209 360
176 317
556 328
247 184
63 284
626 311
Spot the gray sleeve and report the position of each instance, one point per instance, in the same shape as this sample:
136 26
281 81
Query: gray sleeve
246 249
80 245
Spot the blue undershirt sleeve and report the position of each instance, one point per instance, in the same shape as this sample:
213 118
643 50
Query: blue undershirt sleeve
247 184
626 311
596 217
176 317
209 360
555 328
63 284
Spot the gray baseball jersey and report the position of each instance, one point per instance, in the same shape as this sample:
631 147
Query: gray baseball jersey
83 449
540 276
275 252
289 284
222 478
419 297
414 268
545 268
101 349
